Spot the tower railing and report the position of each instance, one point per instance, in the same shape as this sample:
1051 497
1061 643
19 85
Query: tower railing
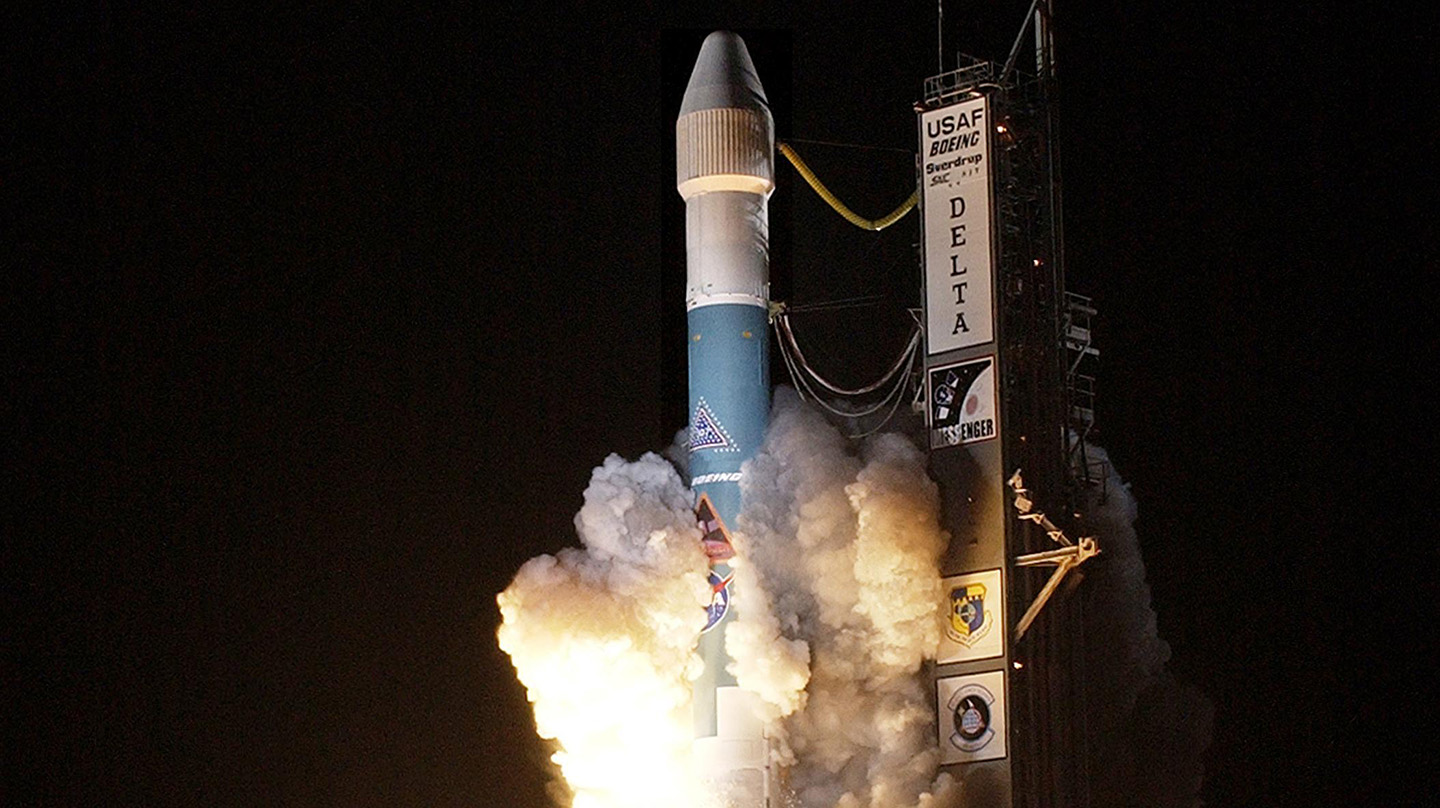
1081 354
946 86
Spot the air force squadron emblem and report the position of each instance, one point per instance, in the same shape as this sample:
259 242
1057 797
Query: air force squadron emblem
969 620
970 714
974 617
972 717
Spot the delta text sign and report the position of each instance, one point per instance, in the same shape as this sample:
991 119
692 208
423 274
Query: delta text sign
955 176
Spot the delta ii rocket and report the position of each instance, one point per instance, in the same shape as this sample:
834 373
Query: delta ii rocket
724 169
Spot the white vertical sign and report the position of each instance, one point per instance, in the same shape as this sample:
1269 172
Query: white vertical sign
955 176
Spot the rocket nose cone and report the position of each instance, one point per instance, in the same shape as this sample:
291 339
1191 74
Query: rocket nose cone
724 77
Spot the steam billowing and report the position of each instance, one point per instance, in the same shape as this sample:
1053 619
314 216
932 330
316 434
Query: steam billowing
840 561
1147 732
837 593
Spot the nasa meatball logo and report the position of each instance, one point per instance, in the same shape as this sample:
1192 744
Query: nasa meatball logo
970 712
719 599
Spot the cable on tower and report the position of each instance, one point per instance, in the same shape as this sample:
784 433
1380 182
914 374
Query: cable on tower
849 215
806 379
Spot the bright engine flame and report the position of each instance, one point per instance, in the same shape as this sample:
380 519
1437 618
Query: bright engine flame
837 587
603 639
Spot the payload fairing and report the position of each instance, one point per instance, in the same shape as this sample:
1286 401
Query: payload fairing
724 169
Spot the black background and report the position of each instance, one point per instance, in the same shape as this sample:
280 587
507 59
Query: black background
317 321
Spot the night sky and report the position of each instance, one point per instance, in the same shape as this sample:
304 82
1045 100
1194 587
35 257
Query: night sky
317 322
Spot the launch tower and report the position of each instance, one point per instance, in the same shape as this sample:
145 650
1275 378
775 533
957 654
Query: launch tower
1008 405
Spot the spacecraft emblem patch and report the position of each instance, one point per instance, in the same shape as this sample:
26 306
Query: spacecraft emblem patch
962 403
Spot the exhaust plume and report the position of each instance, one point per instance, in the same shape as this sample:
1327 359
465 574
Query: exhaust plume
836 587
603 638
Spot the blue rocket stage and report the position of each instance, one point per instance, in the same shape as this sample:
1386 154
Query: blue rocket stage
729 402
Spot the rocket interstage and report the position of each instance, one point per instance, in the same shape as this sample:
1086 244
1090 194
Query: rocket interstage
724 169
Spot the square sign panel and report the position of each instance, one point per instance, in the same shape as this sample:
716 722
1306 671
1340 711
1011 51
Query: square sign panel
961 405
972 717
974 617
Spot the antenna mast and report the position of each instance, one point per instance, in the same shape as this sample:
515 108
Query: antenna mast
940 34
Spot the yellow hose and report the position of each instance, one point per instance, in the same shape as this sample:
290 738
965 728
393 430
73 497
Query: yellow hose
850 215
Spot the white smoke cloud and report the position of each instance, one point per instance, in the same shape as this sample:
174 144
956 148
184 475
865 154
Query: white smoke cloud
1146 731
837 586
603 639
841 572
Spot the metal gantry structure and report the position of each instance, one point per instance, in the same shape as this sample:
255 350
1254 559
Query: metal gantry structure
1047 351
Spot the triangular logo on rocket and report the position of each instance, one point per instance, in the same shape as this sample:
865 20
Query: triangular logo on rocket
706 431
